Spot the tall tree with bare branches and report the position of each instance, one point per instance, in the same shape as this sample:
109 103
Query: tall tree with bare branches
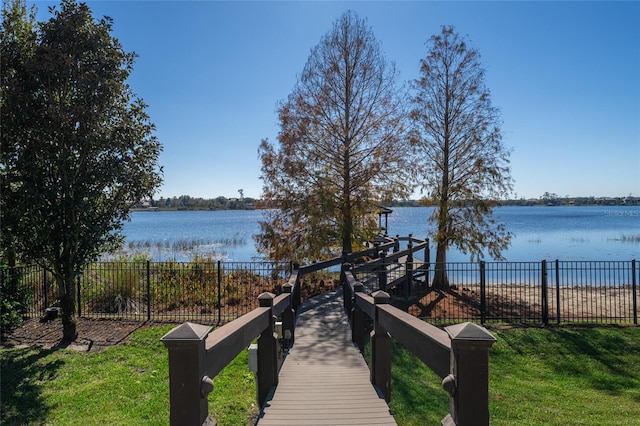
342 148
463 163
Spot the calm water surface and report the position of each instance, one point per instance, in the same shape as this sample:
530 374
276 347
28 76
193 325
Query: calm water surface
564 233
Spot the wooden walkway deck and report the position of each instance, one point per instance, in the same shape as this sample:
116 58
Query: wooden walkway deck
324 379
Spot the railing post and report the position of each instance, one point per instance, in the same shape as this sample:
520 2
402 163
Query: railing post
483 292
468 382
347 298
409 271
288 316
382 274
188 382
267 375
427 252
381 350
296 296
545 294
357 320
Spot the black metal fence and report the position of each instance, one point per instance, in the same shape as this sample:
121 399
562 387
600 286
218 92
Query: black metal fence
595 292
598 292
209 291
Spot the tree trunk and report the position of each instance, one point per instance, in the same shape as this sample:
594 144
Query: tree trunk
68 305
440 279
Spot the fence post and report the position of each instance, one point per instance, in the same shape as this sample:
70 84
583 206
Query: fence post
148 290
267 375
427 259
219 292
545 295
483 293
634 291
381 350
188 382
558 291
468 382
78 300
45 289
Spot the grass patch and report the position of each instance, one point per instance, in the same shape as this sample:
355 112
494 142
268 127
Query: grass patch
122 385
551 376
538 376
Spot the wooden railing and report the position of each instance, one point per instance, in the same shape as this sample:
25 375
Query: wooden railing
459 354
197 354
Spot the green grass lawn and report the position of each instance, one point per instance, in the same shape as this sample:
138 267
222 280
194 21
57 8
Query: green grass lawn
122 385
554 376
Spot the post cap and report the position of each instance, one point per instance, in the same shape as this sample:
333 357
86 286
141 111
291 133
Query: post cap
381 297
266 299
186 332
469 331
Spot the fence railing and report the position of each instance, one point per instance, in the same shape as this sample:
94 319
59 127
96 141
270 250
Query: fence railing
595 292
208 291
600 292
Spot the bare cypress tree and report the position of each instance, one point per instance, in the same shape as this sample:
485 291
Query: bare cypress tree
341 148
463 162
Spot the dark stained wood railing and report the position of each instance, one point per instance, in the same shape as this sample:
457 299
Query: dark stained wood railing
459 354
197 354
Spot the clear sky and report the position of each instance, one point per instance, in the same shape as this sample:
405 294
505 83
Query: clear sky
566 76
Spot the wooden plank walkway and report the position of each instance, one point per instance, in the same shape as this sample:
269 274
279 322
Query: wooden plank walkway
324 379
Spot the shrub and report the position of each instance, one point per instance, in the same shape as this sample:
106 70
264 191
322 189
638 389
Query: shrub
13 299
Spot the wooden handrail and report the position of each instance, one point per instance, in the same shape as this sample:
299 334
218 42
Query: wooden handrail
430 344
196 354
459 354
225 343
377 263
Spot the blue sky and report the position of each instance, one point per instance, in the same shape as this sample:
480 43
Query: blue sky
565 75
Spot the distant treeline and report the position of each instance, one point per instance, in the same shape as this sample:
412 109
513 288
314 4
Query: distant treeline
548 199
186 202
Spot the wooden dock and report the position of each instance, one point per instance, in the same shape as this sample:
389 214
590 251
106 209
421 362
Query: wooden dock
324 379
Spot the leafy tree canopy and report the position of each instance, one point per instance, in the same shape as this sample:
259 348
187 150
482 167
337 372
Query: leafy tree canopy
78 147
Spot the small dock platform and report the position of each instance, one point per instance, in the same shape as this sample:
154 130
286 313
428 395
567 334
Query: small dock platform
324 379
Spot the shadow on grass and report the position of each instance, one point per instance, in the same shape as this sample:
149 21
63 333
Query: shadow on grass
417 396
612 369
24 374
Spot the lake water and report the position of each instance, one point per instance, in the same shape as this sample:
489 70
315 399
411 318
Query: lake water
564 233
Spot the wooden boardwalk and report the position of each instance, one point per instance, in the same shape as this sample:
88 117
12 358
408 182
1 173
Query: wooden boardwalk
324 379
